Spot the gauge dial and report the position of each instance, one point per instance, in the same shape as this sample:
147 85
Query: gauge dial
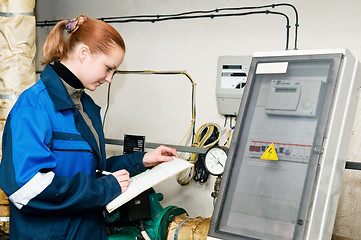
215 160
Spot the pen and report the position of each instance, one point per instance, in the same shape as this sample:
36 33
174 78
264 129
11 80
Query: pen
103 172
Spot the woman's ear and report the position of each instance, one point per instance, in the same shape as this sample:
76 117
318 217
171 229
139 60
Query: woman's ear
84 53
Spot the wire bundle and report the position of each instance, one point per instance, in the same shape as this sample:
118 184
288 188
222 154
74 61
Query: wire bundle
231 128
207 136
214 13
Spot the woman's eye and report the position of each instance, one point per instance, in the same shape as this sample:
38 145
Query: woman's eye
109 69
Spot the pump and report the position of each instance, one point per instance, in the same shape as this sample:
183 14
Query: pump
144 213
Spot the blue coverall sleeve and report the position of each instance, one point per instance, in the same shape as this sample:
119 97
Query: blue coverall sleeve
27 177
133 163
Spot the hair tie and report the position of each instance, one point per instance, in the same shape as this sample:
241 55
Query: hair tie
73 24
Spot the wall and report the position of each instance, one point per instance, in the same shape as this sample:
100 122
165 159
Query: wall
159 107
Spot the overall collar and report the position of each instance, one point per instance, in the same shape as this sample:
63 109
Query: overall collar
62 101
56 89
67 75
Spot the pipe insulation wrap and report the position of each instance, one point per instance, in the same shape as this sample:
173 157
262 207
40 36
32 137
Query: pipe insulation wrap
17 51
17 6
17 65
185 228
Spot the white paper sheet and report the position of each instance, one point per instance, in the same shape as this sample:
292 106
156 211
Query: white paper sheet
148 179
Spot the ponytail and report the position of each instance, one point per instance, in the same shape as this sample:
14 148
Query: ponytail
54 47
99 36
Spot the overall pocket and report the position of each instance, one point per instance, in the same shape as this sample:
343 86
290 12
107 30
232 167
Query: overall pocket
72 157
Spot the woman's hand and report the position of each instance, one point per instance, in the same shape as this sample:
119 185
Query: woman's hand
123 179
159 155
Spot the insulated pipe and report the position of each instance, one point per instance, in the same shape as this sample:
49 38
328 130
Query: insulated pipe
17 51
17 65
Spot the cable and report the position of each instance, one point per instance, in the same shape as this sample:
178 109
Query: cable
296 23
217 10
143 231
193 120
200 174
202 14
152 20
188 173
207 136
225 120
273 6
159 16
231 128
145 235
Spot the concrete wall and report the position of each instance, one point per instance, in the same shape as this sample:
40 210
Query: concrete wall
159 107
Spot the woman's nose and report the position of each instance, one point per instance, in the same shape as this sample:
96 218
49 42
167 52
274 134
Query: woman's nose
109 77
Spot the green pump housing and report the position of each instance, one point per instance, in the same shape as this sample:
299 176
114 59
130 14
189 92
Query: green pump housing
156 227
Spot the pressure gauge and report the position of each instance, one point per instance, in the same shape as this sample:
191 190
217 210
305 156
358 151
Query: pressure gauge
215 160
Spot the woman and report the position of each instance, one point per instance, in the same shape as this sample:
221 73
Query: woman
53 143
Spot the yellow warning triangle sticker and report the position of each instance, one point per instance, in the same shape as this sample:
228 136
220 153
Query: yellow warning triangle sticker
270 153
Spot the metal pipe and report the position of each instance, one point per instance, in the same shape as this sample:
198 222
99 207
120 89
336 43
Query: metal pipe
155 145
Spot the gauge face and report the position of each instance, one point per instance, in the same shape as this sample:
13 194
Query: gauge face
215 160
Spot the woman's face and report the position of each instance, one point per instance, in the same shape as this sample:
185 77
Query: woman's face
99 68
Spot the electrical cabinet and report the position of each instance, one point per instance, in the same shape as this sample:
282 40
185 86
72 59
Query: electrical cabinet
299 105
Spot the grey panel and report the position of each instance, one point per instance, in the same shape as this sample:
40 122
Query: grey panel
267 199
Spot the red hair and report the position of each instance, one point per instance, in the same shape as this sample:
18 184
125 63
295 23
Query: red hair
99 36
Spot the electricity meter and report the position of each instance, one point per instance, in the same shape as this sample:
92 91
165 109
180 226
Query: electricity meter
232 75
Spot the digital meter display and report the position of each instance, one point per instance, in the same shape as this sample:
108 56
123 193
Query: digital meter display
233 76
